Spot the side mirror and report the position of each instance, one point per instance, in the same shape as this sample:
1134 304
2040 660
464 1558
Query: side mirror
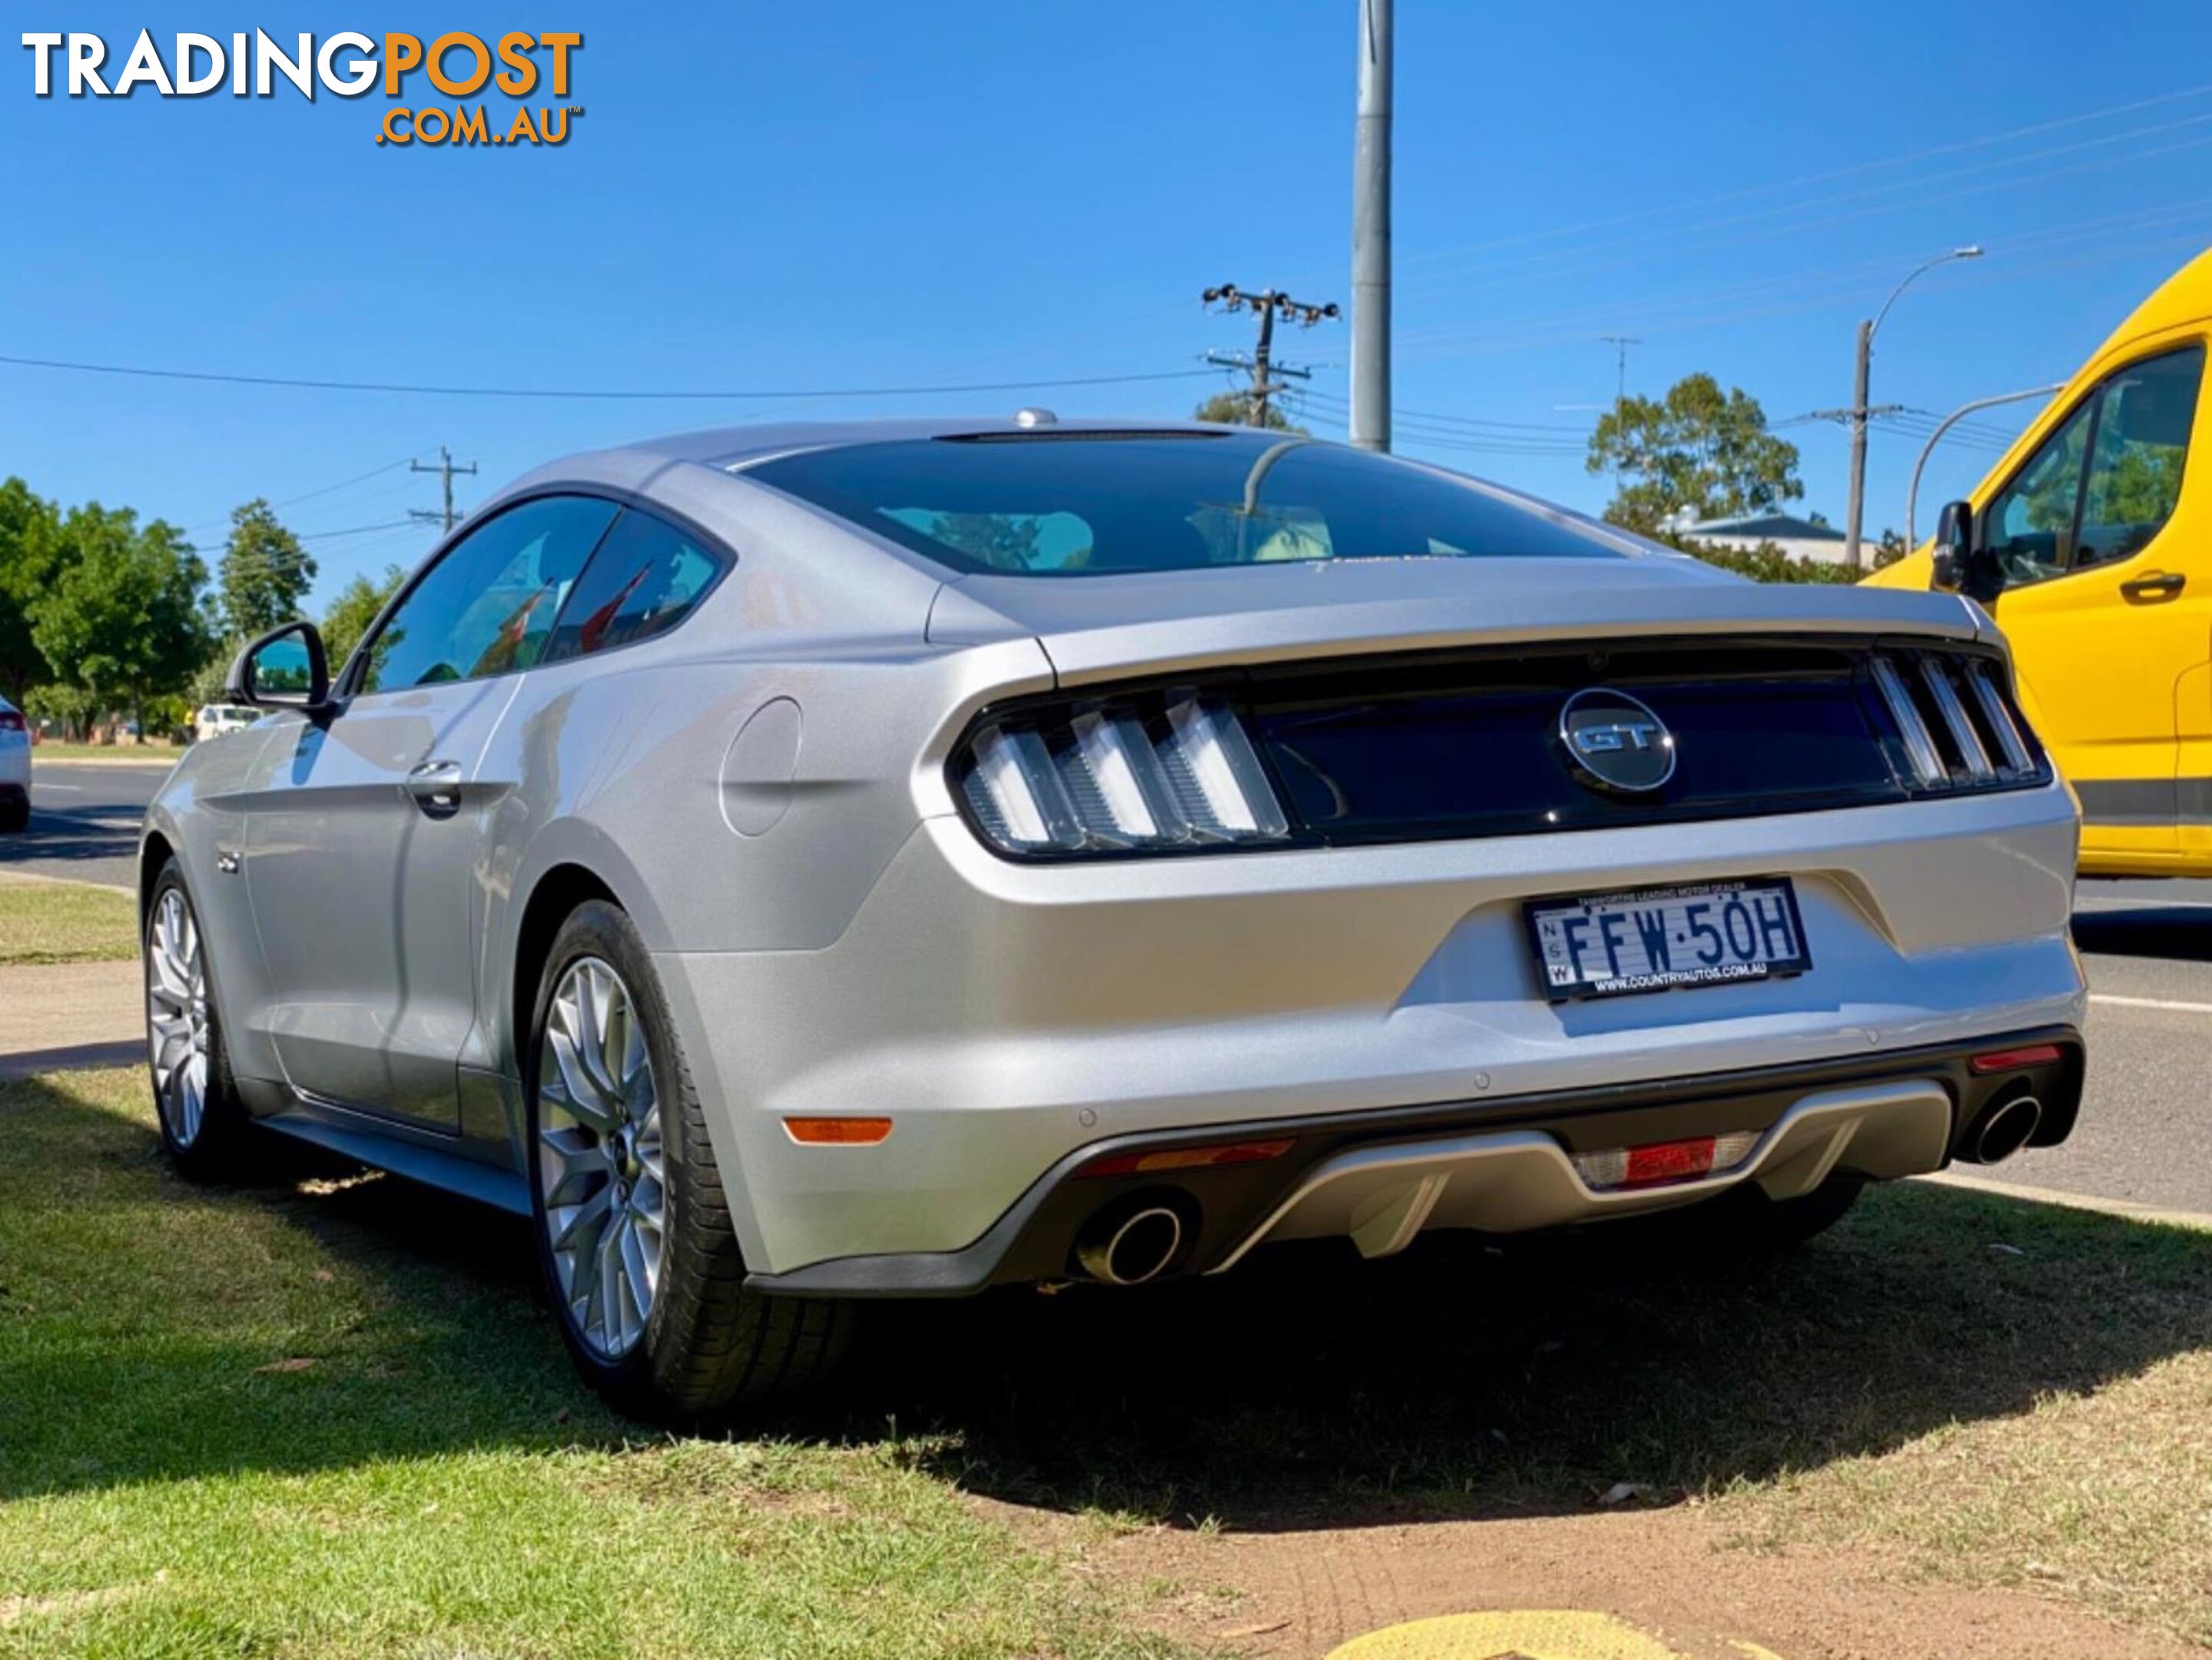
285 669
1961 566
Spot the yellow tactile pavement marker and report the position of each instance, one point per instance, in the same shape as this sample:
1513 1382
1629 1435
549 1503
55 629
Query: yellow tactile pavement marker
1540 1635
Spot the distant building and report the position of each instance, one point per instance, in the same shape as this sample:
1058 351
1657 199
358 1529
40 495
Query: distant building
1804 538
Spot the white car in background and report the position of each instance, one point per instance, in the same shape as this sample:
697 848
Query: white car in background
219 720
15 768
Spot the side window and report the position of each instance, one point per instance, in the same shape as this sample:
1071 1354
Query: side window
2144 417
644 580
488 606
2029 524
2106 482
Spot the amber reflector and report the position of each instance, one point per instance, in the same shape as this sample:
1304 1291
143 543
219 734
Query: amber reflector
837 1131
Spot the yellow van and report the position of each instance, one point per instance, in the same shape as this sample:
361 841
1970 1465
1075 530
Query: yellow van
2091 542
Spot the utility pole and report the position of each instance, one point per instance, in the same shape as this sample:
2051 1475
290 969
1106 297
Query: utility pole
1855 512
1860 412
1371 232
1233 298
1620 343
446 469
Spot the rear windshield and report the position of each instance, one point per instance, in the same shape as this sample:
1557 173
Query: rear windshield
1095 505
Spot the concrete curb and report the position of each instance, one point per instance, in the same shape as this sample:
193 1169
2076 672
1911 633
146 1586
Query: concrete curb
81 1057
2126 1208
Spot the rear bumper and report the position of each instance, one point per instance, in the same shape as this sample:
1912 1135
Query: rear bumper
1004 1016
1380 1178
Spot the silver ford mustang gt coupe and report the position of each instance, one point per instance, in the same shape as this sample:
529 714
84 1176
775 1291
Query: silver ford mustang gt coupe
805 864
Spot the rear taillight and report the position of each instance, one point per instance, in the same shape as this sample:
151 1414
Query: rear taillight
1954 716
1154 775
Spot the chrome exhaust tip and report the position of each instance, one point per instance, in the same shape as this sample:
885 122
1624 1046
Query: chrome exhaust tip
1137 1248
2004 1129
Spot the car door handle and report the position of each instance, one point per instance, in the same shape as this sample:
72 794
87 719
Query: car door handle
2159 584
437 787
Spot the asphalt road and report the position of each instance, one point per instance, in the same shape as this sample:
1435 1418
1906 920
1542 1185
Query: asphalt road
84 821
2146 1130
2147 946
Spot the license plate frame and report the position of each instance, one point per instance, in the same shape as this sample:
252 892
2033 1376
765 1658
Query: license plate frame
1551 950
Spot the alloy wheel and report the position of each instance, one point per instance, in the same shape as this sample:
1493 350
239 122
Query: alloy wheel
600 1168
177 1017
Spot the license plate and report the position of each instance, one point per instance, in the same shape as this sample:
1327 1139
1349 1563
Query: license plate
1712 933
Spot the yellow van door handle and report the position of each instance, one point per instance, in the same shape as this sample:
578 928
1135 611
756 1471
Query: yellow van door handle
2159 584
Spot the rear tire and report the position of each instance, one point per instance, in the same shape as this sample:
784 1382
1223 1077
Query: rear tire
635 1245
205 1127
14 817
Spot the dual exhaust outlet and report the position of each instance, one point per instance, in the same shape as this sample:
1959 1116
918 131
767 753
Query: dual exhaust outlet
1128 1243
2002 1130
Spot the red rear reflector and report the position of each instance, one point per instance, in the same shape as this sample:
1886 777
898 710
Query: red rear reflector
837 1131
2035 1054
1668 1161
1145 1164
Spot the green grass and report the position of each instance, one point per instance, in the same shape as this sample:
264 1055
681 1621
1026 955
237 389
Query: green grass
152 754
66 922
435 1484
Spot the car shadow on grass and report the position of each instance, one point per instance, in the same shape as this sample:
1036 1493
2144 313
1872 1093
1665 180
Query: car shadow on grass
152 1331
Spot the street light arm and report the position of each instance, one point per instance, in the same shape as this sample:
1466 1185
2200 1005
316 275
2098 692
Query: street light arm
1970 253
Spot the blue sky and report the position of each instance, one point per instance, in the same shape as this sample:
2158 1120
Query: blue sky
854 194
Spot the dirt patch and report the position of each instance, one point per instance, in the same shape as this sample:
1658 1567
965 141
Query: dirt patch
1294 1595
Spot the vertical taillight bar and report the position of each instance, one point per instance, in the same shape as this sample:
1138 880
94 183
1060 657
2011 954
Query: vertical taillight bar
1995 710
1918 744
1964 738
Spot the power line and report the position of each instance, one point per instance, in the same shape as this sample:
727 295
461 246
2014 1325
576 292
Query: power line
308 496
291 383
1826 302
1670 210
1856 168
1826 277
1470 421
354 530
1577 260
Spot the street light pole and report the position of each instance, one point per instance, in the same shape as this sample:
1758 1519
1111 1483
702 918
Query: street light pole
1854 511
1370 233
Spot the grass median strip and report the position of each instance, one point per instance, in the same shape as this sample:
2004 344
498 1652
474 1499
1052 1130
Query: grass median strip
66 922
321 1415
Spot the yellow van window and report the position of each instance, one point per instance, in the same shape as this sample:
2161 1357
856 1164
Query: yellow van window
2144 417
2098 488
2029 524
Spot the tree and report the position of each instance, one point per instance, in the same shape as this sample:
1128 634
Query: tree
1698 452
30 552
265 572
1234 409
121 617
354 609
